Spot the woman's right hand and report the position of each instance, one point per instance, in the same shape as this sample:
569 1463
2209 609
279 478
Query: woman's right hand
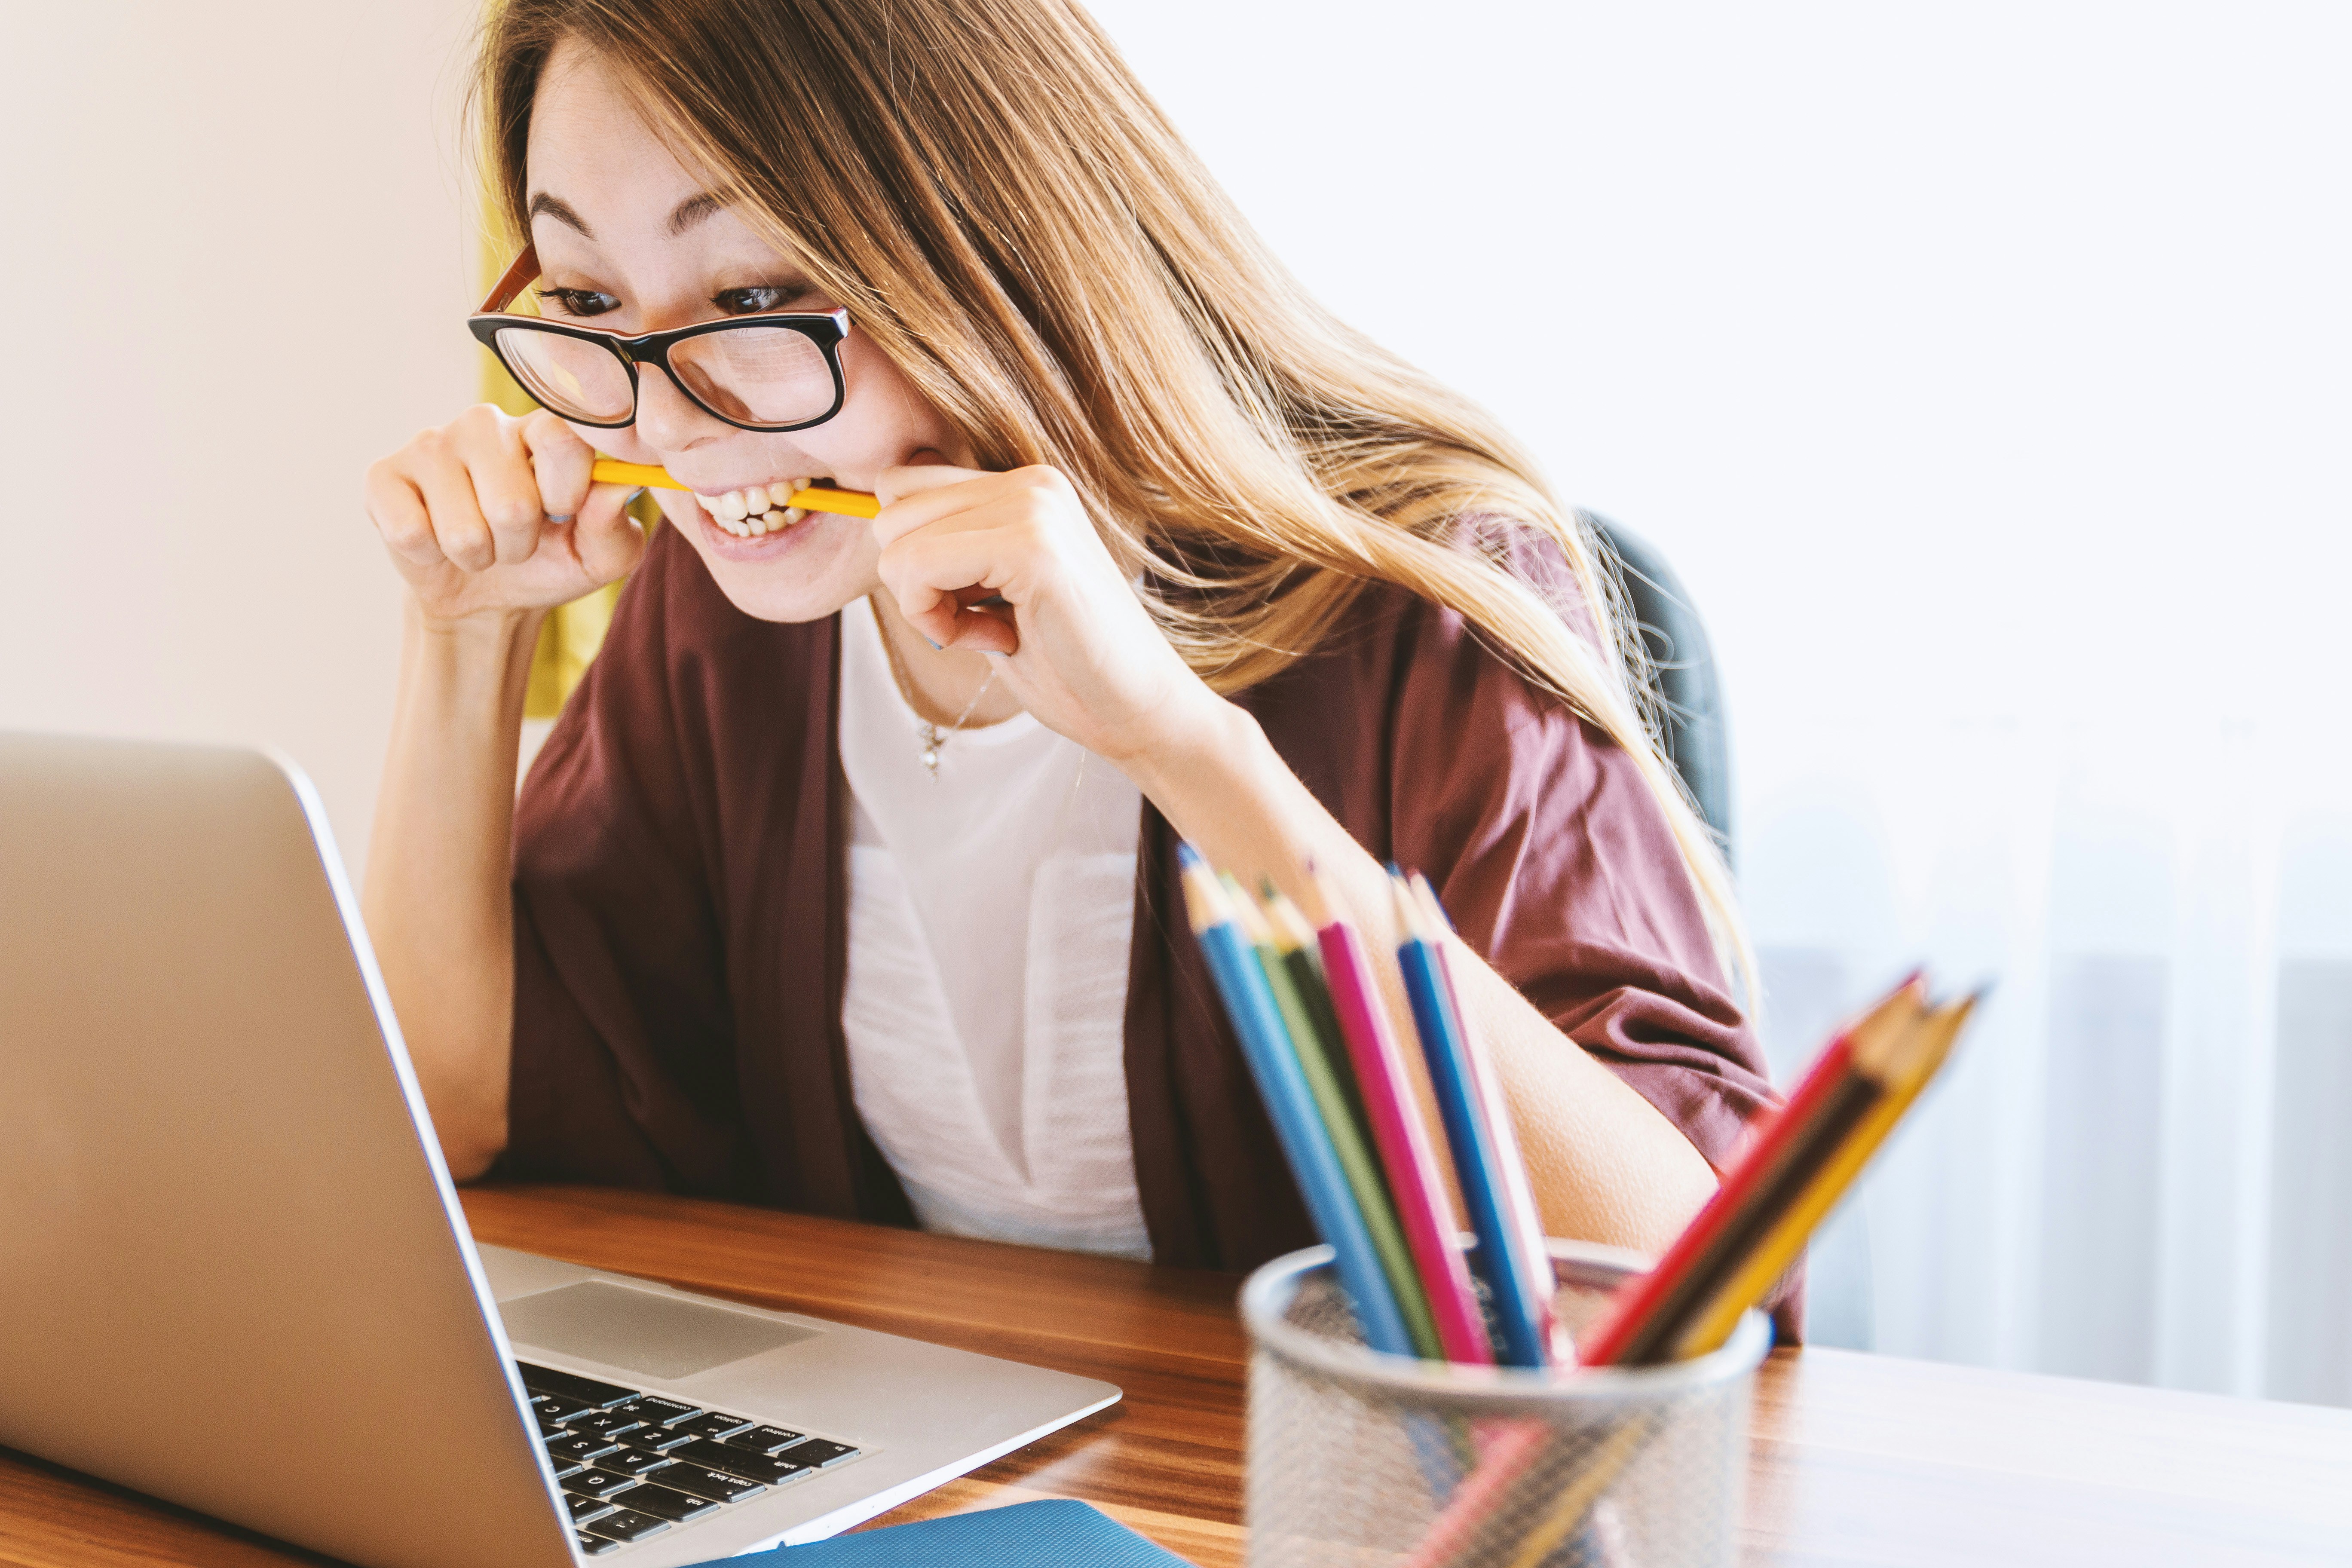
489 515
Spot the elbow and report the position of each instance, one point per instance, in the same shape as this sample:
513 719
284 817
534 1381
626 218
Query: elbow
470 1149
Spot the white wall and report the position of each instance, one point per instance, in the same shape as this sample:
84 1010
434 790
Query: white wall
235 262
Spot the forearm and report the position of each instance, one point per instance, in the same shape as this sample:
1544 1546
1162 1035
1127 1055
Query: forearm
1605 1163
437 901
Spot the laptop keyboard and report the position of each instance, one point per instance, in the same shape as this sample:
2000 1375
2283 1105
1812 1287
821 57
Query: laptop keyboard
634 1464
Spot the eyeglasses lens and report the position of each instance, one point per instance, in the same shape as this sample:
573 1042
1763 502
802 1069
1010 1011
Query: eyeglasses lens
762 375
569 376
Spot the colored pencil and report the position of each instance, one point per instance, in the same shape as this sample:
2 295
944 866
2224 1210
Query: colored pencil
1392 1110
1639 1322
1520 1323
815 497
1314 1039
1290 1106
1518 1194
1503 1457
1924 1050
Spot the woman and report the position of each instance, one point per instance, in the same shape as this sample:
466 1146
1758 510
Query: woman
846 881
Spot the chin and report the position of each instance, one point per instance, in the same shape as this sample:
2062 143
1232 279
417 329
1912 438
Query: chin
803 572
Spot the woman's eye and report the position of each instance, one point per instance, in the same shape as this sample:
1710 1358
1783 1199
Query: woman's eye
755 300
579 301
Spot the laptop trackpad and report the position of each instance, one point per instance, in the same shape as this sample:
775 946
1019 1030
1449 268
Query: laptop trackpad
659 1336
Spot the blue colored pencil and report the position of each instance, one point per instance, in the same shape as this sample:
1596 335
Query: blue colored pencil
1296 1123
1520 1323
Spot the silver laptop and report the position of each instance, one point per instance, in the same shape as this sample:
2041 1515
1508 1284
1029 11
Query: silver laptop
233 1274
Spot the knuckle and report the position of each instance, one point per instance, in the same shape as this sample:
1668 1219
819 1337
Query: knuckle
511 513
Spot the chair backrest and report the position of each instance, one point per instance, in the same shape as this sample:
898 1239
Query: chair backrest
1690 696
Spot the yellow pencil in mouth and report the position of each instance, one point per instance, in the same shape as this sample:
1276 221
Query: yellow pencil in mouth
815 498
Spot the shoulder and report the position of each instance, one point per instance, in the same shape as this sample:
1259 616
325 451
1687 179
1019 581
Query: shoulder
1396 648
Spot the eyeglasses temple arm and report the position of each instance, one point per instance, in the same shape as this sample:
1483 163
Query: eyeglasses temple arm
525 268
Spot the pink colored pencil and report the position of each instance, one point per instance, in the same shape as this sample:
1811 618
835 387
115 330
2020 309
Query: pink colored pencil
1505 1451
1423 1211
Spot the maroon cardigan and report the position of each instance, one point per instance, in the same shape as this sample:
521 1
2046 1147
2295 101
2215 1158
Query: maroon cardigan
681 936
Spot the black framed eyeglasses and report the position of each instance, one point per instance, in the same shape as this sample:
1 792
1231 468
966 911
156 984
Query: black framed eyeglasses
778 370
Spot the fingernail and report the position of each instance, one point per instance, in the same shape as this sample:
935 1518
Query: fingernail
559 517
634 494
935 647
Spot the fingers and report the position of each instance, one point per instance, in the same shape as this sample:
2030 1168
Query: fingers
560 462
926 470
460 531
941 579
397 507
915 498
470 493
607 538
506 488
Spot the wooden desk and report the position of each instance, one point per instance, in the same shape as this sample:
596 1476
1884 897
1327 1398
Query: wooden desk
1857 1458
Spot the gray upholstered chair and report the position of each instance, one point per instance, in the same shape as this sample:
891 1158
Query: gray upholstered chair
1697 732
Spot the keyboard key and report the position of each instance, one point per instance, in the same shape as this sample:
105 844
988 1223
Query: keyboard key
736 1462
764 1439
653 1439
581 1450
711 1484
626 1525
598 1484
711 1424
549 1407
663 1503
630 1462
817 1451
590 1546
563 1467
572 1385
601 1424
551 1429
656 1412
585 1509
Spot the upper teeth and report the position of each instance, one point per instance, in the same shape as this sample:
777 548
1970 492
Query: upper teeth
755 509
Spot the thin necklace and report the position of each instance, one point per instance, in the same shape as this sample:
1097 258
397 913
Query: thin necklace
931 736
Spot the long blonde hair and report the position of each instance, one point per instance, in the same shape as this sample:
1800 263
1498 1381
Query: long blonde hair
1011 219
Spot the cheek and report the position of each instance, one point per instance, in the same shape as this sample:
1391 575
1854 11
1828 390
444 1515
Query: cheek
883 421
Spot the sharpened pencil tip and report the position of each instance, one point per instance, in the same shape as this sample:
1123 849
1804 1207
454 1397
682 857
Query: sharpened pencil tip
1187 858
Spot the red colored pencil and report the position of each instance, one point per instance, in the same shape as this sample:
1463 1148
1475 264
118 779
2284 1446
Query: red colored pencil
1640 1306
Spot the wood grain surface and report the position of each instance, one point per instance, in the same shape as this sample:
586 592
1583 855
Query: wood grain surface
1856 1458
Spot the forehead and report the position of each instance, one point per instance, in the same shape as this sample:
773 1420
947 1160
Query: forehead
590 147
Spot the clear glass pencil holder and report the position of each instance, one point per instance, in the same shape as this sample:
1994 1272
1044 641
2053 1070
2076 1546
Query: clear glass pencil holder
1376 1461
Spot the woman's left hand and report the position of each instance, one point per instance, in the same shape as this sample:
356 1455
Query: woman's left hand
1079 649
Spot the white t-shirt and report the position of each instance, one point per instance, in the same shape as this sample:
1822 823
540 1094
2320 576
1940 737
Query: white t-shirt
990 916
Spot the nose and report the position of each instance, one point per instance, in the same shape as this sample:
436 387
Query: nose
667 418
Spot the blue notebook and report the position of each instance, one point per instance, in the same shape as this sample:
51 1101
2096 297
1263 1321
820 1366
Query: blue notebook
1054 1534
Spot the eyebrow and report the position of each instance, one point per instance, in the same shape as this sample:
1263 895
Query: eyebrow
561 211
693 210
689 213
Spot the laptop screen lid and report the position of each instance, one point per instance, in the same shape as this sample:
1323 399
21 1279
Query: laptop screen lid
232 1271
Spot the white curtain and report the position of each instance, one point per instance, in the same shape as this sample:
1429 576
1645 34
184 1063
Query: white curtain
1983 372
2139 1169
